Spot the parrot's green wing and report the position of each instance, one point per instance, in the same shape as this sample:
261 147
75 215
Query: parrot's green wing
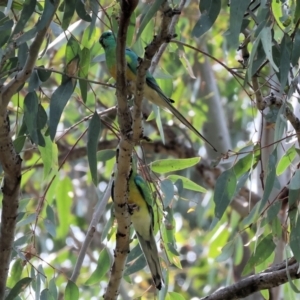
132 60
145 191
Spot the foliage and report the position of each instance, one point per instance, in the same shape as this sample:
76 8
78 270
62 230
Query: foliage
216 222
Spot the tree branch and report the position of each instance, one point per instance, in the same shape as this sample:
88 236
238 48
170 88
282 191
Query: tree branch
92 228
267 279
123 158
10 160
11 88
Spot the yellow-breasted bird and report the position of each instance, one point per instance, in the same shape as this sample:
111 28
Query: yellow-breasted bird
140 201
152 91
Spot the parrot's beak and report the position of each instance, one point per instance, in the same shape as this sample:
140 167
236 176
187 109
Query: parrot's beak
101 41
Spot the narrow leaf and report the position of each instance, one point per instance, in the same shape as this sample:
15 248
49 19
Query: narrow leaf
286 160
263 250
18 288
210 10
266 39
271 175
295 181
153 8
139 264
103 265
27 11
224 191
71 291
83 72
94 131
187 183
58 102
170 165
81 12
167 188
64 203
68 13
237 11
295 239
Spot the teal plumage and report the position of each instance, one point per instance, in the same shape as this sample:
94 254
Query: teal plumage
152 91
140 202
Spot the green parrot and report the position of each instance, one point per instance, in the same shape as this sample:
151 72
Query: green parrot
140 201
152 91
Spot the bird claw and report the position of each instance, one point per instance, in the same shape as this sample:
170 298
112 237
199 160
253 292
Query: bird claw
145 138
132 208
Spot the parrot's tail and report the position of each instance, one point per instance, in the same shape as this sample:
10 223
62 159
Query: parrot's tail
152 258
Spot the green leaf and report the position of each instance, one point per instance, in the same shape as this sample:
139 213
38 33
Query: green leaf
273 210
94 131
297 12
5 34
9 64
22 55
30 219
50 221
174 296
44 75
27 11
284 61
26 36
237 11
210 10
134 254
83 72
295 239
18 288
167 188
281 123
108 225
139 264
131 29
58 102
50 227
46 295
15 272
49 155
286 160
19 143
64 204
295 181
81 12
271 175
105 155
168 232
248 162
227 252
34 81
263 250
72 50
170 165
156 111
153 9
53 289
68 13
296 47
103 265
224 192
23 203
71 291
266 39
41 117
187 183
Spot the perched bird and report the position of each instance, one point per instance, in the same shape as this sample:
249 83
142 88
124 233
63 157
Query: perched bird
140 201
152 91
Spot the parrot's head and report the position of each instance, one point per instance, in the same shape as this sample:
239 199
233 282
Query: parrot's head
107 39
